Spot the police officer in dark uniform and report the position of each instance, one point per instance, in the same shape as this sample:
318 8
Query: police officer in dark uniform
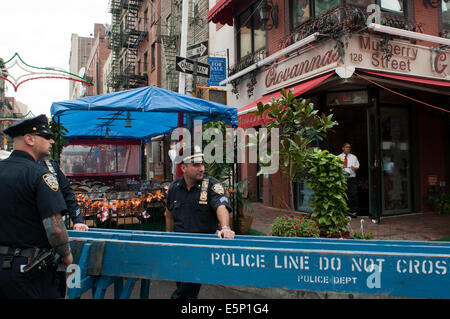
31 208
72 207
196 203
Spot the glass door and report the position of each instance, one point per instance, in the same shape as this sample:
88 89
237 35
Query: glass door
395 160
373 161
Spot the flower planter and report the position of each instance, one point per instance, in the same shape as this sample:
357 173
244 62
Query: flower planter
344 235
245 224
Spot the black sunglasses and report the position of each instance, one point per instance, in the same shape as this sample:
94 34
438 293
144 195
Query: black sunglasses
47 136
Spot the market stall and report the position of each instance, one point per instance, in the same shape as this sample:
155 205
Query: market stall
105 134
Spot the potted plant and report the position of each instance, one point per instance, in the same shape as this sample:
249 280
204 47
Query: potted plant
326 178
299 124
243 205
295 226
442 203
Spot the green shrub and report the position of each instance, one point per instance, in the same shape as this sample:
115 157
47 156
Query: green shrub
442 203
326 178
295 227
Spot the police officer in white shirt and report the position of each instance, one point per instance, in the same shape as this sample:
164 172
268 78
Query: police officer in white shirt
351 165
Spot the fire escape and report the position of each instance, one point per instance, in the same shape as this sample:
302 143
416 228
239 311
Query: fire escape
124 41
169 37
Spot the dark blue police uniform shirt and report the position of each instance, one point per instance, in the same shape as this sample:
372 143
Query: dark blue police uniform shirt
66 190
27 196
189 215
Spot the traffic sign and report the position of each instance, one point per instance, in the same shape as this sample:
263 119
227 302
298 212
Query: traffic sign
197 50
187 66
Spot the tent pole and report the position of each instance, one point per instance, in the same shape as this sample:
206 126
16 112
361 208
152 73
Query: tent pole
235 177
59 148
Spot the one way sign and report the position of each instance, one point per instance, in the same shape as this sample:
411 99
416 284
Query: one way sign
197 50
187 66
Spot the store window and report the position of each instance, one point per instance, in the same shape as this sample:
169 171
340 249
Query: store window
250 35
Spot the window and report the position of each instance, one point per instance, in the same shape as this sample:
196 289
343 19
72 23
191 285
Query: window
153 10
251 37
195 8
396 6
169 24
145 61
392 5
146 19
322 6
446 13
302 10
153 56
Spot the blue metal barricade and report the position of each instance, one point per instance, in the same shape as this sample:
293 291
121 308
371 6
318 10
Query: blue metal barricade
391 268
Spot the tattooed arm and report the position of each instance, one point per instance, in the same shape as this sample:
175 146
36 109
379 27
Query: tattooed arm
58 238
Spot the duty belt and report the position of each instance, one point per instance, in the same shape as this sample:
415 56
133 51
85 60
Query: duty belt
10 253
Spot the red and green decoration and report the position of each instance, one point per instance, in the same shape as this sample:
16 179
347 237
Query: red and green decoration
34 73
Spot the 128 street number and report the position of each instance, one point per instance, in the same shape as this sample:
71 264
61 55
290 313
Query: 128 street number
246 308
356 57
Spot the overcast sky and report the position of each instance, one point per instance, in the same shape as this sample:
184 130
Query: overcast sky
40 32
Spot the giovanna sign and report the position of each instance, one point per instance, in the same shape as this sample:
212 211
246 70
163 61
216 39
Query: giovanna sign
308 63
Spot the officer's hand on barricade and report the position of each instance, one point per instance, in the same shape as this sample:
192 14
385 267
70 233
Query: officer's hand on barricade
66 261
80 227
225 232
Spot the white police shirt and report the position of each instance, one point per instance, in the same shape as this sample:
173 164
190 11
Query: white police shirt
352 160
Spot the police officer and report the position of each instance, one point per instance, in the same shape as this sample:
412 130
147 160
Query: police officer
31 209
72 207
196 203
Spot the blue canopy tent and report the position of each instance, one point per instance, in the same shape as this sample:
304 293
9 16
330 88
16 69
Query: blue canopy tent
135 114
132 115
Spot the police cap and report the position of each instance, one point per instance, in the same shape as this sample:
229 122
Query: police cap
192 154
36 125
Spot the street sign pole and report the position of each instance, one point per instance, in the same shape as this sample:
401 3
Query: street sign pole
194 84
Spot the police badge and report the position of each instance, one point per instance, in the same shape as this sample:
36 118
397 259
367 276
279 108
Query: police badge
218 188
51 181
204 193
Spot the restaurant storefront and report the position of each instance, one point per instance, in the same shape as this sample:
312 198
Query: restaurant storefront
395 114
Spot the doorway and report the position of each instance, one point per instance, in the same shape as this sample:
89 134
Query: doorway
380 138
352 128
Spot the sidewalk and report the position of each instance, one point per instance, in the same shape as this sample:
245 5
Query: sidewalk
420 226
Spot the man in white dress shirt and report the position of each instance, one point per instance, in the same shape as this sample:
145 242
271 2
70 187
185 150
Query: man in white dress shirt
351 165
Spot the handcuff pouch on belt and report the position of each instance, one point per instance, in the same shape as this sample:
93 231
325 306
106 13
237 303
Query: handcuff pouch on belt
9 257
204 192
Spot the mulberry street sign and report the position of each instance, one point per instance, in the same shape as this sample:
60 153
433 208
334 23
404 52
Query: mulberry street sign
187 66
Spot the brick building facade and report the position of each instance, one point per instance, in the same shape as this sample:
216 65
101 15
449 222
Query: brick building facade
393 111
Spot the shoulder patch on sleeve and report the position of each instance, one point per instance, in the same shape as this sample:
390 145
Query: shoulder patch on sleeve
218 188
51 181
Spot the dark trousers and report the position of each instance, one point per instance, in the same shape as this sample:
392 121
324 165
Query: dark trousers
352 194
15 285
186 290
